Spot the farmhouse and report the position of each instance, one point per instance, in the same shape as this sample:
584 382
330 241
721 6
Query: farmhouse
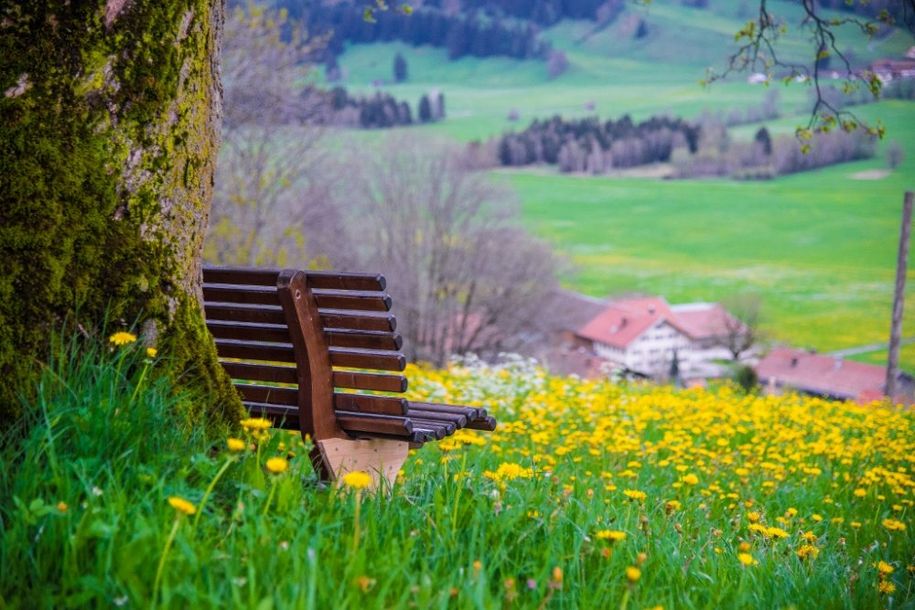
648 337
827 376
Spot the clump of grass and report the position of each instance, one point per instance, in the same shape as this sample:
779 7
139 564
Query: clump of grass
588 495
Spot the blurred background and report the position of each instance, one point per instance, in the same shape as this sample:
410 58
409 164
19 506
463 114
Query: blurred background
585 182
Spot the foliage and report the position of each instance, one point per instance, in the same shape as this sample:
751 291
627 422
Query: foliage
589 494
462 34
595 146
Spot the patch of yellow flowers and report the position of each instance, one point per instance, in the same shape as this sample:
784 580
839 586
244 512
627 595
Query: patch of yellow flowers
734 463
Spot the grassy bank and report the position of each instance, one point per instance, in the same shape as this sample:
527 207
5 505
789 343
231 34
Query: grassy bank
588 495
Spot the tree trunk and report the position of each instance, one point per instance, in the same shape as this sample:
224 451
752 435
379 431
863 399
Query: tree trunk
109 128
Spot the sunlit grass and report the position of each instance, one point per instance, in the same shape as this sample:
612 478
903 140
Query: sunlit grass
589 495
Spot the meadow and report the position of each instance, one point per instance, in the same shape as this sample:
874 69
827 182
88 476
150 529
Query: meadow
819 248
589 495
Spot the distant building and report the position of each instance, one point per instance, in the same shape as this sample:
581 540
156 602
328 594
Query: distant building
644 335
828 376
890 69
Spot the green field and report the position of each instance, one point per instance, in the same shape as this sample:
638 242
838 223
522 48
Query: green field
818 247
618 74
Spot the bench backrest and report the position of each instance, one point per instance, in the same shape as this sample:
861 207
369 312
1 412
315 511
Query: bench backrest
294 342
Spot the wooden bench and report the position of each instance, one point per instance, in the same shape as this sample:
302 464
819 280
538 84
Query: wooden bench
303 348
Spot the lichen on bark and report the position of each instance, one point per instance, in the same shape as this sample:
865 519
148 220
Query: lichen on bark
109 123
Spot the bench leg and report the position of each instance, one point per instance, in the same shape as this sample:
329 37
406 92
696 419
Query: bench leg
380 458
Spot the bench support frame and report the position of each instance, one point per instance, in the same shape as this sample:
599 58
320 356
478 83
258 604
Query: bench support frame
334 453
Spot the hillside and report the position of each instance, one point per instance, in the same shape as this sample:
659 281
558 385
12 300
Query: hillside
588 495
819 247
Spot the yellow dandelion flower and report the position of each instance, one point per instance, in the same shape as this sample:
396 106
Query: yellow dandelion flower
776 532
860 493
753 517
62 507
690 479
122 338
746 559
181 505
235 444
611 535
894 525
808 551
672 506
633 574
277 465
635 494
744 547
886 587
151 352
357 479
809 536
256 423
884 568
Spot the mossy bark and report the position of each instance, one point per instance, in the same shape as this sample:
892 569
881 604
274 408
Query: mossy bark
109 125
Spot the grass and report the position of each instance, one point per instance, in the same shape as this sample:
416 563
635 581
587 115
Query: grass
618 74
581 482
818 247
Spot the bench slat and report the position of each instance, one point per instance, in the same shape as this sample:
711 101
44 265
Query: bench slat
370 381
459 420
333 280
435 432
338 337
447 428
261 314
260 372
364 403
470 412
352 299
235 293
240 275
286 418
268 394
352 421
276 333
487 424
247 350
367 359
335 318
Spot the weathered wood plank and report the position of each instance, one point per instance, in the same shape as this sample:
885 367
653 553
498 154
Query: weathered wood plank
260 372
266 394
370 381
275 333
367 359
235 293
338 337
335 318
260 314
352 300
247 350
365 403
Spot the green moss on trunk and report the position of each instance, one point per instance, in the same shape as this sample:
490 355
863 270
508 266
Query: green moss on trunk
109 119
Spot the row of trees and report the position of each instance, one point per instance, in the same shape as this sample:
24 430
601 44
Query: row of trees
461 34
594 146
543 12
767 157
380 110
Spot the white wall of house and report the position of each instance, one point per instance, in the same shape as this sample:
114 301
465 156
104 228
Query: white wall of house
651 352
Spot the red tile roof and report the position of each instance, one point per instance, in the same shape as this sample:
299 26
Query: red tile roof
703 320
822 374
625 320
